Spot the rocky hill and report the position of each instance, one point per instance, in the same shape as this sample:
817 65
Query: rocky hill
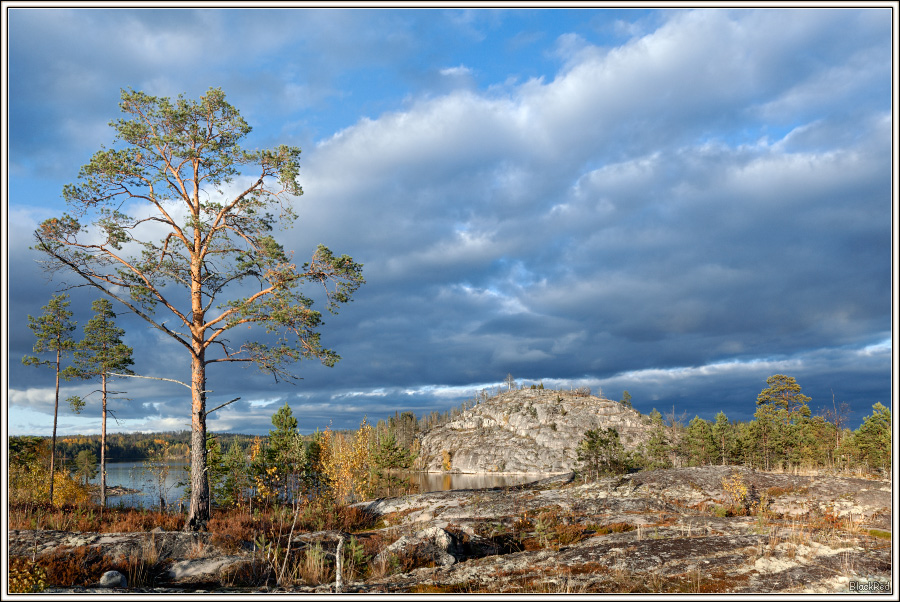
526 431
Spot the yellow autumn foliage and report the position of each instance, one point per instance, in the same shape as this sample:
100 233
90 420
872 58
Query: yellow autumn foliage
264 480
31 484
347 463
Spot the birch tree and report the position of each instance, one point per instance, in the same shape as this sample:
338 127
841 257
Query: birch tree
176 223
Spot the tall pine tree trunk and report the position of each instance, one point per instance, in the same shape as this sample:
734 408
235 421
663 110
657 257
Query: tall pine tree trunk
53 439
199 514
103 448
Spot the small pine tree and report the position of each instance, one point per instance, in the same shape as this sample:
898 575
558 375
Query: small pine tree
53 330
389 454
723 435
98 354
873 438
215 467
699 444
657 448
235 479
86 465
601 453
284 449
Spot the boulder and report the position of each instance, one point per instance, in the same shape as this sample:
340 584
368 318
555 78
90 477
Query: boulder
428 546
113 579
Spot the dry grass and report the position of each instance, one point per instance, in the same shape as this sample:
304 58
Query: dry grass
313 568
143 568
83 565
91 519
68 566
226 525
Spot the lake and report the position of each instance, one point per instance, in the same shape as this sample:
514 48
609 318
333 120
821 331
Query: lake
150 485
432 481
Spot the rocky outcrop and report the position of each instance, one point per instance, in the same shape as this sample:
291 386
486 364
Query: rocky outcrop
655 531
431 545
661 531
526 431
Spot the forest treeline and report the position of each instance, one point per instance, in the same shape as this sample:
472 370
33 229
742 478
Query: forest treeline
127 447
784 434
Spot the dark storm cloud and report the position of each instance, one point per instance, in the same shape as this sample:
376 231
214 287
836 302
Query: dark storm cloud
681 215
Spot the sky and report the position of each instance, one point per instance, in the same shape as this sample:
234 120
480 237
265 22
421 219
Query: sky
678 203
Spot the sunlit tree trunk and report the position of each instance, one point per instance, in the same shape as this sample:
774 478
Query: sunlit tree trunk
199 512
103 448
55 415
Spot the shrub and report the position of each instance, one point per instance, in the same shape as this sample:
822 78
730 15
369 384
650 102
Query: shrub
736 493
25 577
67 566
446 460
30 484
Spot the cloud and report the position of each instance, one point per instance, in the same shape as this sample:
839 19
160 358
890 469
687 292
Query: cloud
675 215
461 70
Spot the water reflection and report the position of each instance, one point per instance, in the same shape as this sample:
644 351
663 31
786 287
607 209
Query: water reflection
430 481
148 486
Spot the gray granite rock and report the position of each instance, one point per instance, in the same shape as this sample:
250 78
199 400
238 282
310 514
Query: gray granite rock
527 431
648 532
113 579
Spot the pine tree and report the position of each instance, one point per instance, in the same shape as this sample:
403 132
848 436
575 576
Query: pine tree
235 480
284 448
101 353
657 448
86 465
873 438
723 434
390 454
198 238
53 330
783 393
750 438
601 453
780 407
700 447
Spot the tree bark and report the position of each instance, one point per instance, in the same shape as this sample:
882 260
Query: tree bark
339 565
199 512
55 414
103 448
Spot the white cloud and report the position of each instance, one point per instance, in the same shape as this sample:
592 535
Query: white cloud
712 189
458 71
31 397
